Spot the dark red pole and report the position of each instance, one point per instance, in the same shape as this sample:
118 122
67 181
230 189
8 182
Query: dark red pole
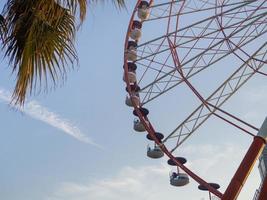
244 169
247 164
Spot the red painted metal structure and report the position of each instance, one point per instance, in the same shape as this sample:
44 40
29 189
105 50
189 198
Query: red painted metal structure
234 33
244 169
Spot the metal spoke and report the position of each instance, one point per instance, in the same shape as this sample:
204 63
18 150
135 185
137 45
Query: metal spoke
218 98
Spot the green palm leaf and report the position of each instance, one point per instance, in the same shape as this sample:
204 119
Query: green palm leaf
2 27
40 41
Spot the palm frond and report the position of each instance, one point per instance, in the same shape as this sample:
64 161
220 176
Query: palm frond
2 27
120 3
39 43
39 40
73 6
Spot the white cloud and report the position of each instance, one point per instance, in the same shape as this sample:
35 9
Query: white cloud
254 101
39 112
152 182
131 183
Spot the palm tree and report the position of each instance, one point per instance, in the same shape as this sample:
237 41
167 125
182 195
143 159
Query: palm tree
38 39
2 27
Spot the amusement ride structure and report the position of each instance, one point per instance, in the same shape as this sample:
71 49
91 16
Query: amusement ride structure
170 44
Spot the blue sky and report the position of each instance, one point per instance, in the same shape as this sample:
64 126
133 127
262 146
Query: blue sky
77 142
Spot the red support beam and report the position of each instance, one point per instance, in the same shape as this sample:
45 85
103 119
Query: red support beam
244 169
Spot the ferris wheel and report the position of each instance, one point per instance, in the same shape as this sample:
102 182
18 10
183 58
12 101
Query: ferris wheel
174 45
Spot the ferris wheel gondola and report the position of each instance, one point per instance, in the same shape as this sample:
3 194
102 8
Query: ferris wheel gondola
155 152
178 178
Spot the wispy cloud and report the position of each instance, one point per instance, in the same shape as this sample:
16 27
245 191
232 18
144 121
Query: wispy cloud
151 182
39 112
130 183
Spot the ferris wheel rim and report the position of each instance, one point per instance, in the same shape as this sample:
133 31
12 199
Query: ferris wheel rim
149 126
242 4
151 131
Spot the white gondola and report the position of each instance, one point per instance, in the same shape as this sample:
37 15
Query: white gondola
131 54
179 179
131 77
135 98
139 126
143 12
155 152
136 34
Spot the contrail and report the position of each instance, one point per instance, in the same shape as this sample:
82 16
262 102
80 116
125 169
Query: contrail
39 112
